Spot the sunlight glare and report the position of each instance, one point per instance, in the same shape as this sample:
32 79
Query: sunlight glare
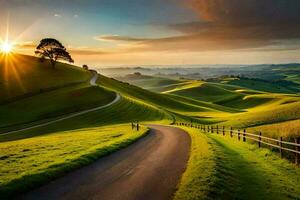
6 47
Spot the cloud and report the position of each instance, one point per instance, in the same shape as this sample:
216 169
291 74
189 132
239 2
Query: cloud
88 51
57 15
247 11
114 38
25 45
227 25
247 19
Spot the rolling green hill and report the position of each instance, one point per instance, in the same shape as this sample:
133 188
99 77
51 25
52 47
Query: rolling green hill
34 93
54 103
152 83
266 86
218 102
22 75
159 100
205 92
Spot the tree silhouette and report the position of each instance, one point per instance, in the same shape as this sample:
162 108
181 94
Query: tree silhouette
85 67
53 50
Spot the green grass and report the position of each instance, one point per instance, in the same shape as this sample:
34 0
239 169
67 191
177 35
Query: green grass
54 103
152 83
124 111
205 92
263 86
27 163
159 100
23 75
288 130
198 179
293 77
224 168
258 173
218 168
215 102
278 111
247 101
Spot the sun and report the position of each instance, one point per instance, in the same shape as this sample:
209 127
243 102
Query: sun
6 47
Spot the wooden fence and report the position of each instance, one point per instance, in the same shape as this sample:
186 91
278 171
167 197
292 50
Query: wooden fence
242 134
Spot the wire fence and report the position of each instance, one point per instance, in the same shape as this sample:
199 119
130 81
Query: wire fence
242 134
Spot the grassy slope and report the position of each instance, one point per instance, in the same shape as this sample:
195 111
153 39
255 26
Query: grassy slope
266 114
21 75
288 129
223 168
198 178
32 91
233 105
158 100
124 111
205 92
254 108
152 83
54 103
262 85
49 145
293 77
31 162
224 95
245 107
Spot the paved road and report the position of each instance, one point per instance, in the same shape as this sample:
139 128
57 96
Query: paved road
94 78
93 83
148 169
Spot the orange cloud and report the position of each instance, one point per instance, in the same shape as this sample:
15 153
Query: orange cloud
226 25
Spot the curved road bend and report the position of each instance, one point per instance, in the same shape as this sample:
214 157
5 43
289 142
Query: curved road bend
148 169
94 78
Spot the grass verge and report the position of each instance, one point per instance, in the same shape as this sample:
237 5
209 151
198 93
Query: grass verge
224 168
28 163
197 179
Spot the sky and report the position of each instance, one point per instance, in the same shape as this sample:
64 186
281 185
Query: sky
158 32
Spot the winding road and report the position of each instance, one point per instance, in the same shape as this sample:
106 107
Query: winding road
148 169
92 83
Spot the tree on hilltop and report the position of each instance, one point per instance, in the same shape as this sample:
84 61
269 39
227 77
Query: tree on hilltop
53 50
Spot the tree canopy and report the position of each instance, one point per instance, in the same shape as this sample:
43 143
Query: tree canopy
53 50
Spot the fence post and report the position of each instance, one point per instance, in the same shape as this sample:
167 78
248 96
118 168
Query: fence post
297 149
244 136
230 131
204 129
259 139
223 130
137 126
280 144
239 135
